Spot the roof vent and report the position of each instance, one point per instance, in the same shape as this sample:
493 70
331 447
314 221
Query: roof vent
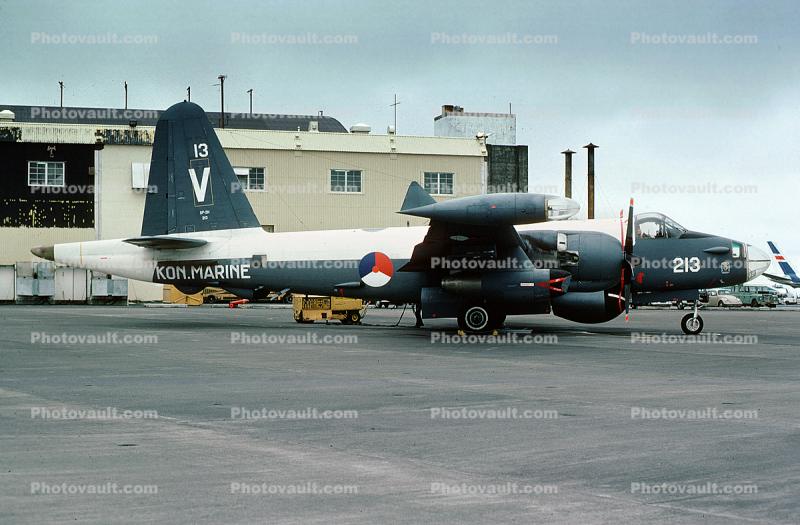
6 115
360 128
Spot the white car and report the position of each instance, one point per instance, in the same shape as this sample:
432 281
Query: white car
722 300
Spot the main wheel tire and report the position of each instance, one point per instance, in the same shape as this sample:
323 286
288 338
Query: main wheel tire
353 317
691 325
474 319
754 303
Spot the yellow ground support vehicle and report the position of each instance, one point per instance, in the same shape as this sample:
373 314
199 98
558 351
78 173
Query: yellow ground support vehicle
308 309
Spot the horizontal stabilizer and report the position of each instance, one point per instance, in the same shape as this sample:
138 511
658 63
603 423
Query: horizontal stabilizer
158 242
416 197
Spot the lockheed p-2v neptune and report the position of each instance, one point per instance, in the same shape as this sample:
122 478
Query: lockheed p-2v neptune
480 259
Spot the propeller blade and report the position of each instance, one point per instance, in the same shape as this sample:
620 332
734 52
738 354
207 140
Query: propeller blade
627 265
627 301
629 234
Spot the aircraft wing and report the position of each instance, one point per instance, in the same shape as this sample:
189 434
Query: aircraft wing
780 279
452 242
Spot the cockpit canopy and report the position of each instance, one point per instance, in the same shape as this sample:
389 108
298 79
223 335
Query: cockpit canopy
657 226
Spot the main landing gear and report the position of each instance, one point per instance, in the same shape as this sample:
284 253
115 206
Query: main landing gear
480 318
692 324
418 315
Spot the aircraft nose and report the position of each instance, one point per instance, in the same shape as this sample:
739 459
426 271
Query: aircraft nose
45 252
757 261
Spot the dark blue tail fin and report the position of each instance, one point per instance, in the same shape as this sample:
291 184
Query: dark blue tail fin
193 186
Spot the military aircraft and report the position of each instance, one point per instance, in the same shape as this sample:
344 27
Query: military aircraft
480 258
789 277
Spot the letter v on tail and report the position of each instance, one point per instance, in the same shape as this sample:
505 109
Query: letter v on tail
200 188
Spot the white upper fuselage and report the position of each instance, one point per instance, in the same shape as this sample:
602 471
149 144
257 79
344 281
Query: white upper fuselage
126 260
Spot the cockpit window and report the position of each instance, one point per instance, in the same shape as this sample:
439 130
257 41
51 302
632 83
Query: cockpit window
657 226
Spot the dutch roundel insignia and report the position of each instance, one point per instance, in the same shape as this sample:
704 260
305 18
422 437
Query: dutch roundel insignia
375 269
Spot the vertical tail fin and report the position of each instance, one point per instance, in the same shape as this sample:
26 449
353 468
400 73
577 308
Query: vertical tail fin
193 186
783 263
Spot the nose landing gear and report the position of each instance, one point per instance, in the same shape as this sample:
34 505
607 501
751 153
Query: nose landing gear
692 324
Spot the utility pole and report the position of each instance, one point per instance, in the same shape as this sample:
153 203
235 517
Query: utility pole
126 94
568 153
222 100
188 93
395 111
250 92
590 182
61 89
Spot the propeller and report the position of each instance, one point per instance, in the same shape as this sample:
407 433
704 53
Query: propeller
626 272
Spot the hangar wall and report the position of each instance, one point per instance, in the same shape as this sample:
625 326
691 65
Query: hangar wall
297 171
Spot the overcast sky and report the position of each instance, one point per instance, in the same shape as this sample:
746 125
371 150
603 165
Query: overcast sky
621 74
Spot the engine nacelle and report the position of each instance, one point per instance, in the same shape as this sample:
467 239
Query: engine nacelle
497 209
512 287
587 307
594 259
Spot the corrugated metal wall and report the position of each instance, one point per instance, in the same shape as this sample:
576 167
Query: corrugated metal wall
17 242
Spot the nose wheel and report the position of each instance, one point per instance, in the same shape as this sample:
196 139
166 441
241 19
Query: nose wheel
692 324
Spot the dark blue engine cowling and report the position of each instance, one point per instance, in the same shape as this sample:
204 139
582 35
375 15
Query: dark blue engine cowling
588 307
513 292
599 261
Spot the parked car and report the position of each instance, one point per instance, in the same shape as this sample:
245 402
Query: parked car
755 295
721 299
785 294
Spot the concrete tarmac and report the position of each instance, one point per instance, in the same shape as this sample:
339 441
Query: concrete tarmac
211 415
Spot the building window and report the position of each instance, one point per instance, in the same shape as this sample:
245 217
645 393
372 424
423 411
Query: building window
251 179
140 173
45 173
438 183
346 181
